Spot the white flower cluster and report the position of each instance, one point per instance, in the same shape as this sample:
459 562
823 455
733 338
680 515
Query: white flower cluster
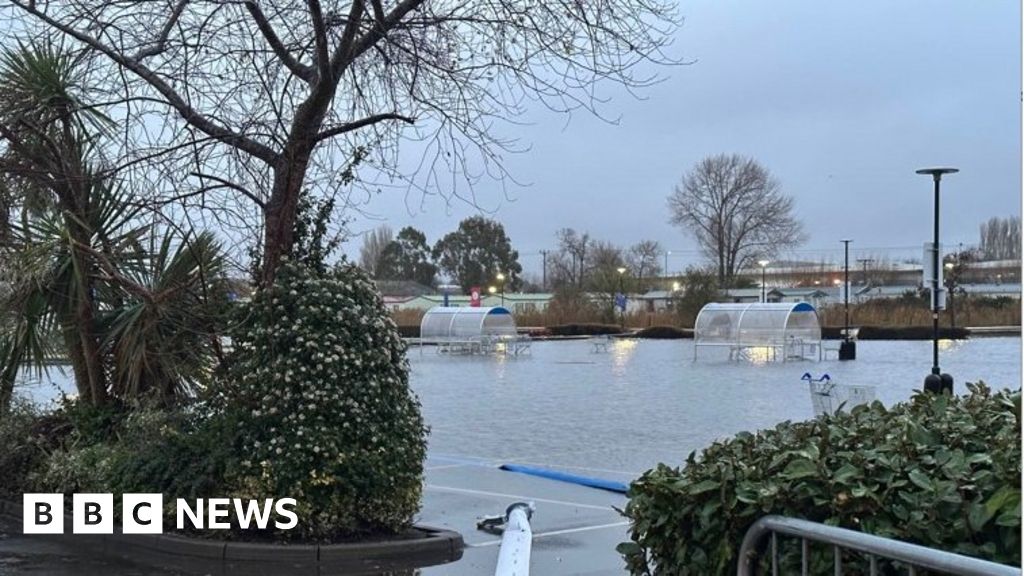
331 414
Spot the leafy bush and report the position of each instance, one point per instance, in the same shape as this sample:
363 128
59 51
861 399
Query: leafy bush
26 438
940 471
77 469
175 452
319 386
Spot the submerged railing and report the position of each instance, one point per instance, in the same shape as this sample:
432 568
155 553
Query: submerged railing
875 548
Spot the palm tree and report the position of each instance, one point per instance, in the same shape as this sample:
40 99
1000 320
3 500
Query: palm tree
80 281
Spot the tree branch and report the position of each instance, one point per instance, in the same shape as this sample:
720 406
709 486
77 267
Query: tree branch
323 64
161 41
188 114
344 51
300 70
224 184
369 120
378 13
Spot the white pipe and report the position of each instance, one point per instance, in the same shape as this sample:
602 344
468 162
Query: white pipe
514 554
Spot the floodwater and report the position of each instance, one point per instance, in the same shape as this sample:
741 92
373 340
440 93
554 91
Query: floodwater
609 414
644 402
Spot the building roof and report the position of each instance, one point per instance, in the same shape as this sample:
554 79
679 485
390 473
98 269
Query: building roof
1003 289
402 288
748 292
658 295
807 292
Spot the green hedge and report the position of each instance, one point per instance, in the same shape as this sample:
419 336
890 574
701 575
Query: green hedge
663 333
940 471
584 329
910 333
897 333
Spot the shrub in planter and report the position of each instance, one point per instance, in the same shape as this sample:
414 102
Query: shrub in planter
319 387
943 472
26 441
178 452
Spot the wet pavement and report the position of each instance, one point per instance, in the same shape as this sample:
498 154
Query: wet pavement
20 554
575 528
608 415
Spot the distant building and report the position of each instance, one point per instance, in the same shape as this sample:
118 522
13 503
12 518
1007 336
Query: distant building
401 288
991 290
657 300
517 303
814 296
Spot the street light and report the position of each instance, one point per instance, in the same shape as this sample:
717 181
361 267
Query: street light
847 348
501 279
936 381
622 273
764 266
950 290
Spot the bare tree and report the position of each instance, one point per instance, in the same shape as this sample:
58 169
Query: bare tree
737 212
642 259
1000 238
373 246
569 263
251 101
603 277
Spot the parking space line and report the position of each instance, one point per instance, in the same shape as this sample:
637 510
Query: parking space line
494 462
557 533
446 466
515 497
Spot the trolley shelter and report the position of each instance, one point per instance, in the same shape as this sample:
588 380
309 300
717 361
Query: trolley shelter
472 330
760 330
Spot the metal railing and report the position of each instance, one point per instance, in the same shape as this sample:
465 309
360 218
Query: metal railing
875 548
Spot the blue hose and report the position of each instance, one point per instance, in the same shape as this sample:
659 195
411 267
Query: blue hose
609 485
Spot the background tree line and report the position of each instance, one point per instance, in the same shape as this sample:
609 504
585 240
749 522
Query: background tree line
473 255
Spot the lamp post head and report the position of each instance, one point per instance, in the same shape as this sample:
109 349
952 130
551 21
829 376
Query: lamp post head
937 171
621 270
837 281
949 265
500 277
675 286
764 263
492 289
846 240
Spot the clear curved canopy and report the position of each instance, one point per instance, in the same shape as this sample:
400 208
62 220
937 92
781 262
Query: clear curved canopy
466 322
756 324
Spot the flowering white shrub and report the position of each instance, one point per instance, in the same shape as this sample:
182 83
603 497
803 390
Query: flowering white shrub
319 386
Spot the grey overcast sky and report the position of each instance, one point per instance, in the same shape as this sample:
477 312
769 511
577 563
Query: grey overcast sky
842 101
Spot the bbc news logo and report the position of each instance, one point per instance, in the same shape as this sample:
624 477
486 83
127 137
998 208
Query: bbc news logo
143 513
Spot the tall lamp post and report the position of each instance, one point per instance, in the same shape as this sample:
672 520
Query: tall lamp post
622 293
950 291
936 381
764 293
847 348
501 280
